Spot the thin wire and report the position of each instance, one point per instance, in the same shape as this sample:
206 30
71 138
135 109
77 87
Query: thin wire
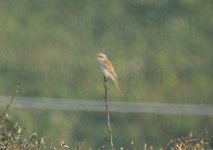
113 106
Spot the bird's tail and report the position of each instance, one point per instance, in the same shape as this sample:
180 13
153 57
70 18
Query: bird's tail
117 85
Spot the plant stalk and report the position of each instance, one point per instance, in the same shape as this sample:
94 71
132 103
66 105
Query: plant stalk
107 112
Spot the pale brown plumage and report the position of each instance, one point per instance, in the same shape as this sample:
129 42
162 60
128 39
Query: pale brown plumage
107 69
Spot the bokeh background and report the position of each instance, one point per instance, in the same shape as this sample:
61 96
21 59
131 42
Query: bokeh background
161 50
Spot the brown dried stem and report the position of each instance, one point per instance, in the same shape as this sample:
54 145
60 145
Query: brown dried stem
107 112
10 103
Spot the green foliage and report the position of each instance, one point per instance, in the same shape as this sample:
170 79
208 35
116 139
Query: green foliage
12 136
160 48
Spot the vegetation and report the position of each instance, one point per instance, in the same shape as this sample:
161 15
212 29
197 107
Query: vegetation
12 138
161 50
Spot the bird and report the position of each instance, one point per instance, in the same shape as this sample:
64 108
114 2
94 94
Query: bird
107 69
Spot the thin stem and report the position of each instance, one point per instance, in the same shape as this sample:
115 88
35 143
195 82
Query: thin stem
11 101
108 115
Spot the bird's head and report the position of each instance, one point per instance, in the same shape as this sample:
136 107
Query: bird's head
101 57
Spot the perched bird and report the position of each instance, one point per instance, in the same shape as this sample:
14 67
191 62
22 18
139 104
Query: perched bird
107 69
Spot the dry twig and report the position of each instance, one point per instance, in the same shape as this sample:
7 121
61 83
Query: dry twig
107 112
10 103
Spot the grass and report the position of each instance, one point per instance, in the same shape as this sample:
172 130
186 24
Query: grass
12 137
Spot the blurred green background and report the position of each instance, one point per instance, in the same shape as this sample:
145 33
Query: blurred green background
161 51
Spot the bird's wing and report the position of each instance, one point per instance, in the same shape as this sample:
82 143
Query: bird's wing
109 67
